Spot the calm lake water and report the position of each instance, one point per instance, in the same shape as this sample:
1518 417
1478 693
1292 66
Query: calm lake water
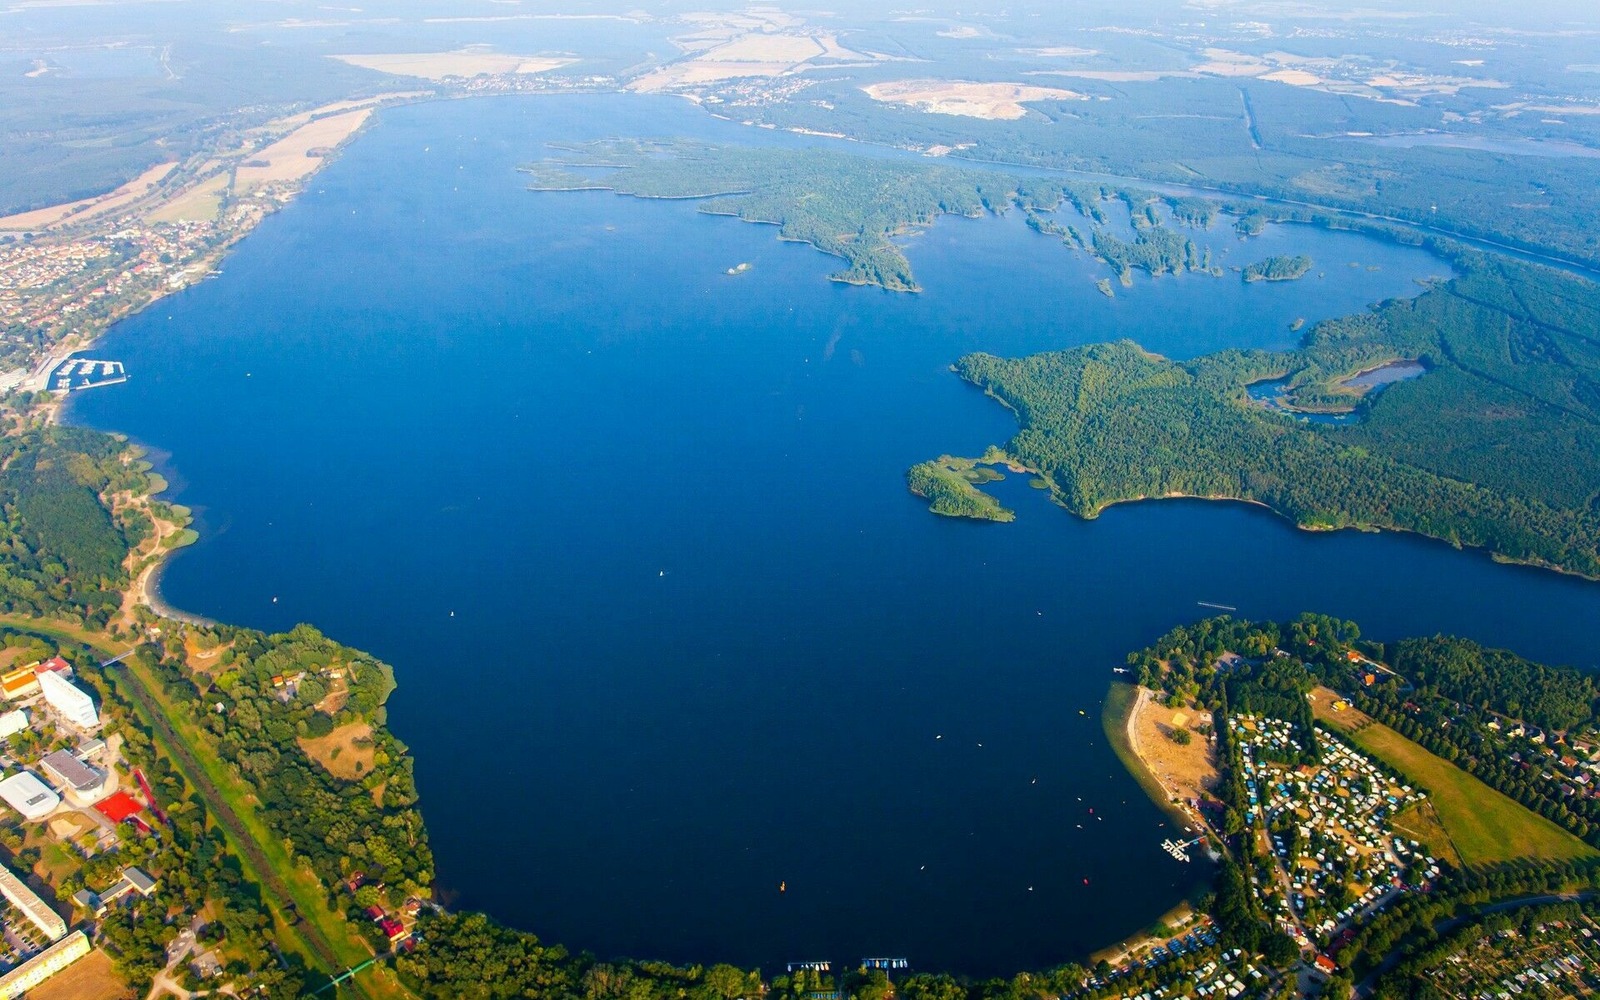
669 630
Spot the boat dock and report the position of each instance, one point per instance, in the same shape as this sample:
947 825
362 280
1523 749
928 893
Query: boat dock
85 373
1180 849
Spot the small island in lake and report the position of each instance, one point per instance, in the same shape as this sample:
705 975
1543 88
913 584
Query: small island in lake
1278 268
740 268
950 485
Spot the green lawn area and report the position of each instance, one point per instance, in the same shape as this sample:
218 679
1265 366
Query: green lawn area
1421 823
1484 825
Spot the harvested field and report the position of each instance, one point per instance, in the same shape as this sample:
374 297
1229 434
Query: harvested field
994 101
288 159
720 54
364 102
350 762
76 211
198 204
463 63
89 978
1294 77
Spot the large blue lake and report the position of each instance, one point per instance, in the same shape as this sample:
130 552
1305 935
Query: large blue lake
668 628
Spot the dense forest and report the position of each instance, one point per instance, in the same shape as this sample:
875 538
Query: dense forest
1172 132
1501 681
1497 446
62 547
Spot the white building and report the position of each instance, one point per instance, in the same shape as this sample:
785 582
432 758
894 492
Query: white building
68 700
43 965
35 909
12 723
28 795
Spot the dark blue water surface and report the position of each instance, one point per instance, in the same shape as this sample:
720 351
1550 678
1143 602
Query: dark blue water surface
703 641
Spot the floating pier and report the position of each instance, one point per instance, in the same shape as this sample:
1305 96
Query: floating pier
1180 849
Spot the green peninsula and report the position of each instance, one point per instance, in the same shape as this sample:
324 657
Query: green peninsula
1496 446
950 485
849 206
856 207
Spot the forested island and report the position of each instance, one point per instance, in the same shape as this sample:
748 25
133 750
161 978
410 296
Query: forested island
1497 446
1278 268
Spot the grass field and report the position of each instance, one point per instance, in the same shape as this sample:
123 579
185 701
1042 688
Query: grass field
1483 825
1421 823
338 752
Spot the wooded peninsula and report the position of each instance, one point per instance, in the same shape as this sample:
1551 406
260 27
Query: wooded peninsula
1496 446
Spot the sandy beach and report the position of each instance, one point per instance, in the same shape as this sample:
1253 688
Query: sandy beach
1185 773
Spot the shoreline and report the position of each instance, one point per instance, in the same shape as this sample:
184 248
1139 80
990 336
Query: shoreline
1120 712
205 265
144 585
145 591
1493 555
1124 702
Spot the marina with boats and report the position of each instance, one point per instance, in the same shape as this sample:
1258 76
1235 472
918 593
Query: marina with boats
84 373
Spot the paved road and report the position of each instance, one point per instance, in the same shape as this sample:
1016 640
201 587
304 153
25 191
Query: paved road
177 950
